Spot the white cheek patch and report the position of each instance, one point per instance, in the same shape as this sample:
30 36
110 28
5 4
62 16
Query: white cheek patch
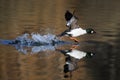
91 54
92 31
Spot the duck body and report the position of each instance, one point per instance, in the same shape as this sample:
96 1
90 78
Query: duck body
76 54
76 32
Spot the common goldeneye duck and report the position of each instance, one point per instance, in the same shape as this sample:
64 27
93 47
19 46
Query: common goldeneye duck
74 29
77 54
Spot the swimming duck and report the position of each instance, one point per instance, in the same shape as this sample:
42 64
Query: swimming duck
77 54
74 30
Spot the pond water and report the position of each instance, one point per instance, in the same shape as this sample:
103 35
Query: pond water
47 16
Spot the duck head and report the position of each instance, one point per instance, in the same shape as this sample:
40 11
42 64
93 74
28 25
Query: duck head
89 54
90 31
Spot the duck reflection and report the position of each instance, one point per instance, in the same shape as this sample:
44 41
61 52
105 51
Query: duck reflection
69 67
77 54
72 57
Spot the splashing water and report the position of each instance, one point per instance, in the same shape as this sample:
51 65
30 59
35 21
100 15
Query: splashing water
49 38
35 41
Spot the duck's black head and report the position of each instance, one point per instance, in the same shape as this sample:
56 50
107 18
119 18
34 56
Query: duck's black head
90 31
89 54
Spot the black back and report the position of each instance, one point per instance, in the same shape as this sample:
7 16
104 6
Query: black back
68 15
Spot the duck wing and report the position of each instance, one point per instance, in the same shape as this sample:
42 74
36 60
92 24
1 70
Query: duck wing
71 20
68 15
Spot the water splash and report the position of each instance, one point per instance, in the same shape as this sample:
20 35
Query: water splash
36 42
33 38
49 38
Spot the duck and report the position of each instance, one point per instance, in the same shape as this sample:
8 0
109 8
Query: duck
76 54
73 29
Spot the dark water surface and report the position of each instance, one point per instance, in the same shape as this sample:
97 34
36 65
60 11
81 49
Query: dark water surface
47 16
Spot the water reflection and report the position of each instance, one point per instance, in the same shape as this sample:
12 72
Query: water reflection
72 57
36 43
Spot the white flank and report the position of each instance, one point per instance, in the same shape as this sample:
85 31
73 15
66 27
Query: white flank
77 54
77 32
